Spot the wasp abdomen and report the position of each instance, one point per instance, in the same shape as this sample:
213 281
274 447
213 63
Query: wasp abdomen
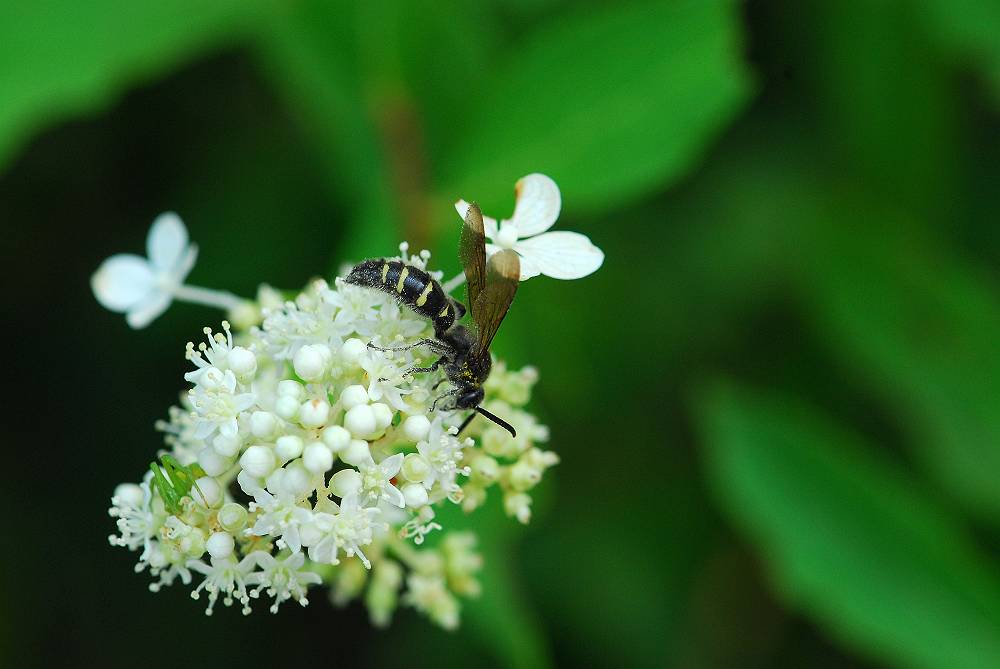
410 286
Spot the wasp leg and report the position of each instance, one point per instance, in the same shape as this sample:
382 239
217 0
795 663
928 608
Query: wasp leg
465 423
422 370
450 393
438 347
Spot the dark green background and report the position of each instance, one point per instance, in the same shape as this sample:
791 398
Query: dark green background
777 404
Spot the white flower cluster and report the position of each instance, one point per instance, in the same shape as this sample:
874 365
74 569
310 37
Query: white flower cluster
301 456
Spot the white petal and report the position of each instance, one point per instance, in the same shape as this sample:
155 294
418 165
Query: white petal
538 204
186 264
561 255
122 281
391 465
144 313
529 268
489 224
166 242
394 496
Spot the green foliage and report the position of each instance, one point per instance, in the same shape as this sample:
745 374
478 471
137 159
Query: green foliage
848 537
62 58
968 30
610 102
921 327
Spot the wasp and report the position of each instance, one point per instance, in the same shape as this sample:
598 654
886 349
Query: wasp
464 351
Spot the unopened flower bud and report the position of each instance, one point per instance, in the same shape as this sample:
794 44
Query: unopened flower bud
345 482
287 407
310 361
206 492
297 480
352 350
289 447
242 361
263 424
523 476
356 453
415 495
416 427
258 461
220 545
213 463
290 388
313 413
352 396
360 421
225 446
336 437
518 505
383 415
317 457
485 469
130 493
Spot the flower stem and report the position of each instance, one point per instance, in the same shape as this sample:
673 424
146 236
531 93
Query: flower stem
212 298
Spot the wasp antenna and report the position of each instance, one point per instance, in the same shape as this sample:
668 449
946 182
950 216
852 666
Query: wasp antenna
496 419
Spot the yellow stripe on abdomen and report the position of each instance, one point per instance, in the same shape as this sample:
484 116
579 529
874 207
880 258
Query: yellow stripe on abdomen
422 300
402 278
385 271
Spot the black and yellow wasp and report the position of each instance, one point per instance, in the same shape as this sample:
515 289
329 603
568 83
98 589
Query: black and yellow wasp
465 352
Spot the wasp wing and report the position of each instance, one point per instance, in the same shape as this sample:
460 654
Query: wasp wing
491 306
472 252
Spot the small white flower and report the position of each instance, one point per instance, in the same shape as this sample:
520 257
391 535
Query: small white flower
376 481
218 354
132 506
378 366
217 404
347 530
224 576
559 254
443 452
279 516
143 288
429 595
282 579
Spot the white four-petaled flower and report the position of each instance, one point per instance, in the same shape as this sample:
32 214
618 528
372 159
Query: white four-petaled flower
558 254
143 288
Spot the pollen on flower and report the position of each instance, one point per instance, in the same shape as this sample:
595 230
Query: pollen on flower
320 462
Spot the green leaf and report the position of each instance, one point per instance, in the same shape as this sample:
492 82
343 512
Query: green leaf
311 53
967 29
921 326
611 103
847 537
63 58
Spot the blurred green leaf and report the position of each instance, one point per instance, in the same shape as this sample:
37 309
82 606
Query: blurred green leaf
922 326
847 537
62 58
612 103
311 53
968 29
879 83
